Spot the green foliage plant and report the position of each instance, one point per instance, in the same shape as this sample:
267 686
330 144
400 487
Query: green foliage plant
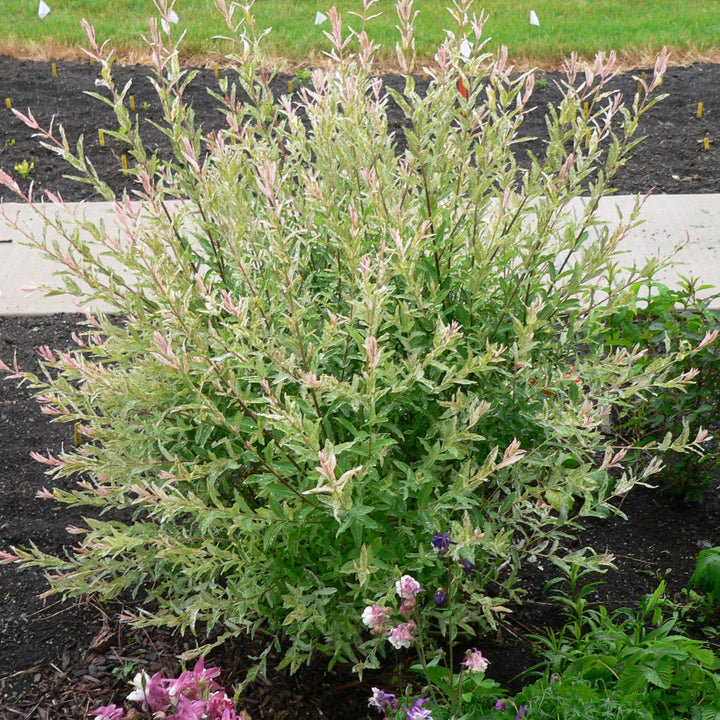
329 351
630 654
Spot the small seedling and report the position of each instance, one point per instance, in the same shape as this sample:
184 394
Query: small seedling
302 77
543 84
10 143
24 169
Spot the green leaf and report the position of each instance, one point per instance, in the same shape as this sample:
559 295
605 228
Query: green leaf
706 576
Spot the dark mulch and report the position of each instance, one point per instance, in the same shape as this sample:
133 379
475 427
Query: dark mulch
672 159
59 660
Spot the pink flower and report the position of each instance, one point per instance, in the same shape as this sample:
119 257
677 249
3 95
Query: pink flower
375 617
109 712
475 661
401 636
407 587
192 683
406 607
188 710
150 692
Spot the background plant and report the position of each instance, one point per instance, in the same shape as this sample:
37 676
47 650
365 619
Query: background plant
328 352
662 319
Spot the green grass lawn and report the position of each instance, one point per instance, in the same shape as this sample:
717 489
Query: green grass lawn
636 27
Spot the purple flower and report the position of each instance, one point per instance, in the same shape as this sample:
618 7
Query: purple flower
382 701
375 617
521 712
440 597
401 636
442 542
475 661
407 587
417 712
109 712
500 704
467 565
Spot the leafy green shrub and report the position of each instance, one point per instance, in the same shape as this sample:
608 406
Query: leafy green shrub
664 319
630 654
332 351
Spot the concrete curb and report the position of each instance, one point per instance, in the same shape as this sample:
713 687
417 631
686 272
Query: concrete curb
690 221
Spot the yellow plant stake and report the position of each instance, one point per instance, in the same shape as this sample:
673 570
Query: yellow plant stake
217 70
699 110
642 77
78 437
706 143
8 103
53 68
92 62
123 162
101 138
290 86
132 103
586 110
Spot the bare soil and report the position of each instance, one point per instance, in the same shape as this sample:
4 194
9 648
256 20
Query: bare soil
61 659
673 158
